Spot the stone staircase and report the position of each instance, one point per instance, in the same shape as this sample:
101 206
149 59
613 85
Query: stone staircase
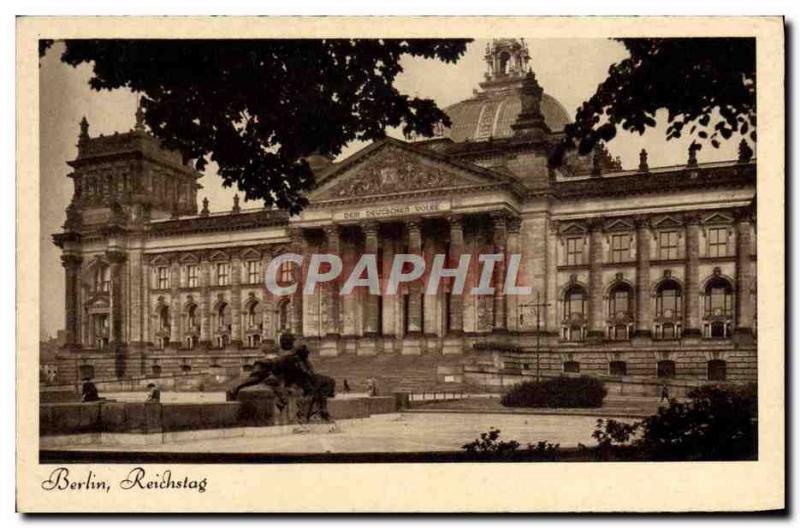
396 373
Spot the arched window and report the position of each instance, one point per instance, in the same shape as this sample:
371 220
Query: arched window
620 301
221 316
163 317
191 316
283 317
718 298
717 370
575 303
252 314
666 368
505 59
573 327
102 278
668 300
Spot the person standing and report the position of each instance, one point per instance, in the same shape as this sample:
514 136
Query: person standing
664 392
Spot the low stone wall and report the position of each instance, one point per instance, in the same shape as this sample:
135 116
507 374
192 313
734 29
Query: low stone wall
498 379
255 408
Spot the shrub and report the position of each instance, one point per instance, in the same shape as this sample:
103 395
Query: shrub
718 423
557 392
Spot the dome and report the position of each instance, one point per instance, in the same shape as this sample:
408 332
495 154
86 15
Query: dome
485 116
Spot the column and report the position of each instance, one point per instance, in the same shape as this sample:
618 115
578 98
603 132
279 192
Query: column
499 239
414 289
298 245
116 260
744 275
595 331
456 250
333 324
371 322
205 302
267 305
514 224
412 338
691 299
175 306
72 266
236 302
643 298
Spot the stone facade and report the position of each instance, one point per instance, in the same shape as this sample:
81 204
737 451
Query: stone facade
648 272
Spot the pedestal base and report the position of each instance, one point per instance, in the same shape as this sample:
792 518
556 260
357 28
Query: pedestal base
367 346
412 346
330 346
453 345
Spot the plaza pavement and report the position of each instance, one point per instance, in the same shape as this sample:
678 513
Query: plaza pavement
389 433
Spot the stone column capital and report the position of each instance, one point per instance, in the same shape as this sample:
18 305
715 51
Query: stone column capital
642 221
370 228
456 220
117 257
413 225
514 224
71 262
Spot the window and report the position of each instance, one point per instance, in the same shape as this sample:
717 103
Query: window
718 298
162 277
156 369
666 368
102 279
619 301
620 332
574 303
620 247
668 300
86 371
286 273
252 315
618 368
572 367
223 269
717 370
718 242
163 318
252 267
191 342
191 316
668 245
283 317
574 251
191 275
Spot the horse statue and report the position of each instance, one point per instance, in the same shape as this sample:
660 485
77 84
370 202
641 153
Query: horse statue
293 370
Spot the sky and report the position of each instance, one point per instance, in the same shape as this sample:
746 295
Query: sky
567 69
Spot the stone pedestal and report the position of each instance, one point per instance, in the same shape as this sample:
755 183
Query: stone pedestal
453 344
412 345
330 345
367 346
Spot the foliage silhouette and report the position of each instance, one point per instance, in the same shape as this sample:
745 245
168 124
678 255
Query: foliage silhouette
707 86
259 108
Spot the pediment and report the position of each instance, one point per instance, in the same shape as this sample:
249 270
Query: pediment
391 167
667 222
718 218
619 225
573 229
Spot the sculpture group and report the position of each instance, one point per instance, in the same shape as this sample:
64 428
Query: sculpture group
292 370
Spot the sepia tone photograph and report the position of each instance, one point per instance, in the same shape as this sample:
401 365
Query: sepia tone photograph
297 251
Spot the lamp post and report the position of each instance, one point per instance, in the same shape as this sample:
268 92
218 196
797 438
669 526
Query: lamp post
537 306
